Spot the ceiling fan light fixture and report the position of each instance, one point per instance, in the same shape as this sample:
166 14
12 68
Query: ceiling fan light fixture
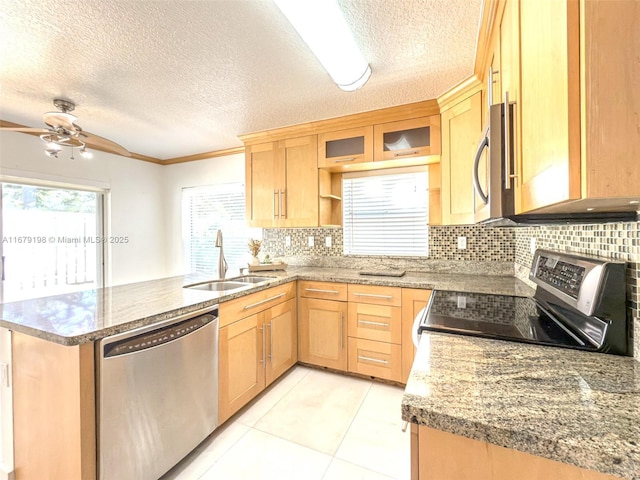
85 154
325 31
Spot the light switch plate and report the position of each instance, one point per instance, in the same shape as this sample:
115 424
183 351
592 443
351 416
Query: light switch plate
532 245
462 243
287 241
327 242
311 241
462 301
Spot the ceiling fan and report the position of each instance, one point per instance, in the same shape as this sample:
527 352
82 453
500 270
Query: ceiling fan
64 132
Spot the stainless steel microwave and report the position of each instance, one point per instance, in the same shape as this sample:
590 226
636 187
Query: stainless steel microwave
493 168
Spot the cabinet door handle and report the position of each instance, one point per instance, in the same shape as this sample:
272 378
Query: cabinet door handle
263 361
270 325
509 175
404 427
320 290
373 295
342 160
404 154
370 359
247 307
341 331
283 211
378 324
276 212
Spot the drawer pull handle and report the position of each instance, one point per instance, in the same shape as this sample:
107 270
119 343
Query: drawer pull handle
373 295
404 154
247 307
378 324
320 290
340 160
369 359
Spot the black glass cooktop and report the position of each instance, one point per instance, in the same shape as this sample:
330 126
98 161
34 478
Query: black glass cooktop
500 317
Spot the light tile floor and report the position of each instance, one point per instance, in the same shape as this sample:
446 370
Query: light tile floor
310 424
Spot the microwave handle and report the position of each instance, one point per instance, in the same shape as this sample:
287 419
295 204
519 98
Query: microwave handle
484 143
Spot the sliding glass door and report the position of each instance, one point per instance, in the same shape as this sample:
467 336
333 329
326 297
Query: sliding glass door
51 240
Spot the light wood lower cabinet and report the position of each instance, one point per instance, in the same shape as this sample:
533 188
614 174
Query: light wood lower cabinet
323 333
413 300
322 324
375 331
53 410
256 349
445 456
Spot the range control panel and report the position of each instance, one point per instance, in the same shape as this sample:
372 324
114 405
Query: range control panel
561 275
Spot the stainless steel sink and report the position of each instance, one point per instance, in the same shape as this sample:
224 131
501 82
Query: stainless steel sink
244 281
252 279
219 285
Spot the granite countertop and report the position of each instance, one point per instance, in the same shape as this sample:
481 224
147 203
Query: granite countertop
571 406
85 316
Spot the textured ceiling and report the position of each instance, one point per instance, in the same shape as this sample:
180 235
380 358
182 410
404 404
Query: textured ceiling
174 78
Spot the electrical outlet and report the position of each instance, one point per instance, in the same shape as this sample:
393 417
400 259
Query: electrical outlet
462 243
287 241
462 301
311 241
327 242
532 245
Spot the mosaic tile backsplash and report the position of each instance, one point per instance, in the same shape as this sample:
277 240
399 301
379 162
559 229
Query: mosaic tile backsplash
489 251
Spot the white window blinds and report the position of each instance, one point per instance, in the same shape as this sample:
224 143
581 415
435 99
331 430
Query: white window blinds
204 211
386 212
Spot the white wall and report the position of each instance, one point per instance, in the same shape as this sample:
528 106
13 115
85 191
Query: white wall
228 169
137 199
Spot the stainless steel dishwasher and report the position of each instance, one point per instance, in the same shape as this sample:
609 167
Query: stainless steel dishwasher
157 395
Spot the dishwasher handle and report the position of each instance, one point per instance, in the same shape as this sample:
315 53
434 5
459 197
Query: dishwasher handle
157 337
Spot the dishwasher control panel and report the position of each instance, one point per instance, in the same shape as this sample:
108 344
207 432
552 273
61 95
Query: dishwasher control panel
156 337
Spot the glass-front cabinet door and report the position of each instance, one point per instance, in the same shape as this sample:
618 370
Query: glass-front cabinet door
417 137
345 147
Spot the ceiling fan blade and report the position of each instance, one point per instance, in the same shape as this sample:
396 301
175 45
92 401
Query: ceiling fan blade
26 130
101 143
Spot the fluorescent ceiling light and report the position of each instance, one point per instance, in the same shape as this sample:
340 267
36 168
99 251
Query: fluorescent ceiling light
323 28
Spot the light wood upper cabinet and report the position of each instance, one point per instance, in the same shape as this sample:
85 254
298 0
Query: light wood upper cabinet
550 107
461 132
262 183
346 147
282 183
579 105
417 137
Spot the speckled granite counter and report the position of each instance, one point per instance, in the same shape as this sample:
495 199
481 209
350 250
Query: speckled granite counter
85 316
566 405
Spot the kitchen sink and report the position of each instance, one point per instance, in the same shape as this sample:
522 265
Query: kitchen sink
251 279
219 285
231 284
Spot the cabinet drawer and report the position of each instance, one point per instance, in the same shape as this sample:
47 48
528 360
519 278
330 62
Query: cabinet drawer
375 295
377 359
375 322
255 302
323 290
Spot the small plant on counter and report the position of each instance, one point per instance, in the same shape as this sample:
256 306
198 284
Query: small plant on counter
254 247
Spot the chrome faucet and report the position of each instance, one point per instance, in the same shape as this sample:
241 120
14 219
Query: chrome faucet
223 266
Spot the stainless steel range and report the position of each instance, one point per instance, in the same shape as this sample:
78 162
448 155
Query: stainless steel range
579 303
